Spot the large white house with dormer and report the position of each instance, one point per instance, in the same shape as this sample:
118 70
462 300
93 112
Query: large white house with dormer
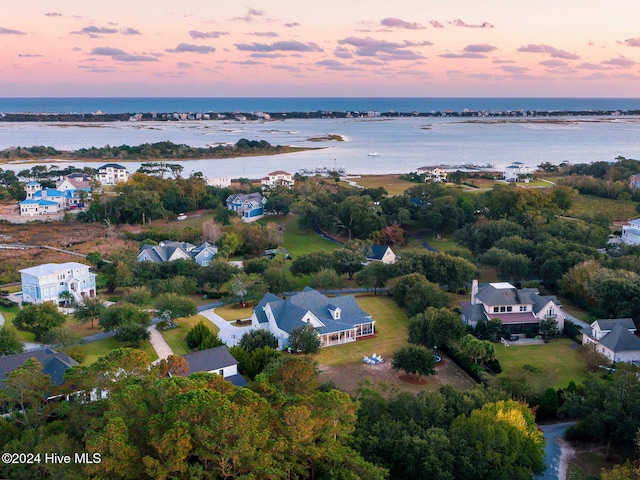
45 283
112 173
279 178
337 320
520 311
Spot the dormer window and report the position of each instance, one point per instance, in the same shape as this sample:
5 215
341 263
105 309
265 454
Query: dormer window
335 312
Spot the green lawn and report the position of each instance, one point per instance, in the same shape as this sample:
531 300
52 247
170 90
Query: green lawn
557 359
231 312
299 243
9 313
176 337
95 350
391 334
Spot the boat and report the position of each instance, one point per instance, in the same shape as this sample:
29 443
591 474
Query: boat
373 152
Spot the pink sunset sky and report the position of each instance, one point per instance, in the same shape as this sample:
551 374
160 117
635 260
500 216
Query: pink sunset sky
426 48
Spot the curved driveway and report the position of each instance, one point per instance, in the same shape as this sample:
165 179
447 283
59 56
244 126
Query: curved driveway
228 333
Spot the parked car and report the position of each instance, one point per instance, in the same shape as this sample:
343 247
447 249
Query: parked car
182 216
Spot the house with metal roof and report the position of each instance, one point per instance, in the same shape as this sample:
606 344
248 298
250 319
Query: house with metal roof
337 320
631 232
519 310
616 339
215 360
168 251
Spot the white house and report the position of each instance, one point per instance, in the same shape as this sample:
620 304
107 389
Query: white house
215 360
31 207
631 232
435 173
45 283
337 320
634 181
222 182
519 310
112 173
75 181
615 339
279 178
31 188
381 253
517 172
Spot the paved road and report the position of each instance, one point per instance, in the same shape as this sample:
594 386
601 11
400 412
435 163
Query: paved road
228 333
553 452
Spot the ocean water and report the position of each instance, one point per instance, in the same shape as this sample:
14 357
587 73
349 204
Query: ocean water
403 144
307 104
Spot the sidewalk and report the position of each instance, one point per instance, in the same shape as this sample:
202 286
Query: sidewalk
159 344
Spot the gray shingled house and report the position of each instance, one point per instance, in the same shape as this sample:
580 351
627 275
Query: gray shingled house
615 339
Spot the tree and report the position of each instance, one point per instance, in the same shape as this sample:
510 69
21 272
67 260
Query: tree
425 294
201 338
304 340
248 287
217 273
356 215
177 306
480 351
326 279
39 318
9 343
415 360
548 328
435 327
350 259
133 333
123 314
66 297
374 275
309 263
256 339
90 310
278 280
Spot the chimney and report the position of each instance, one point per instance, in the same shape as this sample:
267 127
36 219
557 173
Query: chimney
474 291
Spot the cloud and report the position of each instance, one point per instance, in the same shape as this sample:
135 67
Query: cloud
290 68
9 31
267 55
183 65
248 62
264 34
335 65
368 61
619 62
591 66
342 52
483 48
284 46
500 60
292 24
552 51
514 69
196 34
250 15
463 55
190 48
436 24
97 32
369 47
52 14
121 55
554 63
459 23
29 55
633 42
397 23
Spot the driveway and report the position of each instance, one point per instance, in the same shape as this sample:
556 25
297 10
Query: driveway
228 333
159 344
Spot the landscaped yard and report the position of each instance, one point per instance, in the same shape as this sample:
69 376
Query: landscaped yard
176 337
391 183
234 312
558 360
391 334
95 350
298 243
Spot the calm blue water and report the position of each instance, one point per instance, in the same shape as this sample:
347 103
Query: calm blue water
173 104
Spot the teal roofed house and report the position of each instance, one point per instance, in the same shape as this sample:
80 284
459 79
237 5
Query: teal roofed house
32 207
337 320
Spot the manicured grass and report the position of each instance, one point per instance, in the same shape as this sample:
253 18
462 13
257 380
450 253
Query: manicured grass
557 359
176 337
232 312
391 334
612 209
443 244
391 183
299 243
95 350
9 313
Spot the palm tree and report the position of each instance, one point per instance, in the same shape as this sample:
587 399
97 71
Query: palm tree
66 297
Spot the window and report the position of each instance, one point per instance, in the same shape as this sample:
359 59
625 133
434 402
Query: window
523 308
508 309
496 309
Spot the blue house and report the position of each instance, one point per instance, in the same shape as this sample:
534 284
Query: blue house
45 283
337 320
250 206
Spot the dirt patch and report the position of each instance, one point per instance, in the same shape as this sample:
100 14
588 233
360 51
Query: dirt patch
351 377
413 379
